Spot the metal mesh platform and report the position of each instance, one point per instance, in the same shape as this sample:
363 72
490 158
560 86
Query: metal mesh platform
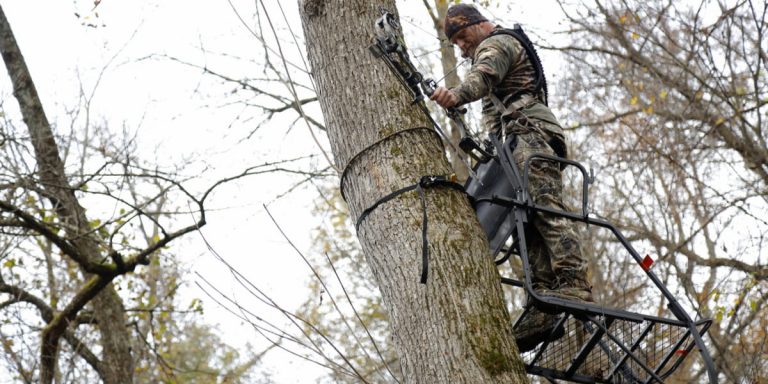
610 350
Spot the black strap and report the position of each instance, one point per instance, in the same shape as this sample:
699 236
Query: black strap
377 142
424 182
424 238
382 201
518 33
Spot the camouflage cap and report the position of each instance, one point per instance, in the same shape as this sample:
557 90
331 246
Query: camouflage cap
460 16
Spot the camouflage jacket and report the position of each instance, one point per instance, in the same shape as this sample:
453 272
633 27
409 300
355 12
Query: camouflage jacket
501 65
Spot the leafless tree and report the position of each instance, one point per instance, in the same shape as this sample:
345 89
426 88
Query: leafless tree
78 216
671 98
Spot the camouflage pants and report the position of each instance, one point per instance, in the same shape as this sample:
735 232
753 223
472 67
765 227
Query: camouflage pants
553 245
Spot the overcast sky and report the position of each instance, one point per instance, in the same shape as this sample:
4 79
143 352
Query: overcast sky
113 56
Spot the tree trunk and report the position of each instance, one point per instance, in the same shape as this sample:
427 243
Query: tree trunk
108 307
454 329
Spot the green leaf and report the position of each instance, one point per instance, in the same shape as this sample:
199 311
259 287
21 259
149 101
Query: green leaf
716 294
719 314
10 263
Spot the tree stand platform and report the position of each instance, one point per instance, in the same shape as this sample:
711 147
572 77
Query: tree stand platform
600 344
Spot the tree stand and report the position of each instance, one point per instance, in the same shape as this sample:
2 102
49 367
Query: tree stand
603 345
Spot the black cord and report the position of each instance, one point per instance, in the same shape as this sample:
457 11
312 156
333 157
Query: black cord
375 143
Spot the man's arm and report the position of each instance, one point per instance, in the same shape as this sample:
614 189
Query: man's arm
492 61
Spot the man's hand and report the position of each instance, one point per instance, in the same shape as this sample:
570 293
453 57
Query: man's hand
445 97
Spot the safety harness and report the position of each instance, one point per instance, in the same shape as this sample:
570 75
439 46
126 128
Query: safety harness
533 56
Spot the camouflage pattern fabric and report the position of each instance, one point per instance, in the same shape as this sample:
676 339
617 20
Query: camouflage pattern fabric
460 16
553 244
501 65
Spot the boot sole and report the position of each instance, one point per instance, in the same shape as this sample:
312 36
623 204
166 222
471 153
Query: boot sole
530 342
554 309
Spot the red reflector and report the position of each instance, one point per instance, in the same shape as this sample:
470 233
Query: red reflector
681 352
647 262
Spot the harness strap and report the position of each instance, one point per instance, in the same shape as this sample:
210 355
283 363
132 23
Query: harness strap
512 112
424 182
521 102
500 107
518 33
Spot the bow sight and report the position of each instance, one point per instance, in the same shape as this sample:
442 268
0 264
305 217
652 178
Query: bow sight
389 47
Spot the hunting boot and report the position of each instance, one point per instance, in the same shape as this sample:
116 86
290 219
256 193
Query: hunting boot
571 285
536 327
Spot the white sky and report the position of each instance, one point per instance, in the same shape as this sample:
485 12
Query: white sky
164 104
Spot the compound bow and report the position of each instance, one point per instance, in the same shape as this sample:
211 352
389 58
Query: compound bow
389 47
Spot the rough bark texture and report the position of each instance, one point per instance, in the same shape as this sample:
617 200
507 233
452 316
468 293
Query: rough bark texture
108 307
454 329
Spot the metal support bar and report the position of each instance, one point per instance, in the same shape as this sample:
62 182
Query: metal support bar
634 346
544 346
631 355
587 348
508 281
525 312
704 353
585 178
669 355
704 327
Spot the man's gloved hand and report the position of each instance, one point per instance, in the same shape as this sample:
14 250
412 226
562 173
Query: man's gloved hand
445 97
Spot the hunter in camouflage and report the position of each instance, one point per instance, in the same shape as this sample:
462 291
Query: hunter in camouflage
501 69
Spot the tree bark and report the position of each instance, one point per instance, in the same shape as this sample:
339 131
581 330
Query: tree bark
455 328
108 307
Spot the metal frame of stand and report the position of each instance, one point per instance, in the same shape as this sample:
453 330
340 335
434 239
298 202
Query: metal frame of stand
622 346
